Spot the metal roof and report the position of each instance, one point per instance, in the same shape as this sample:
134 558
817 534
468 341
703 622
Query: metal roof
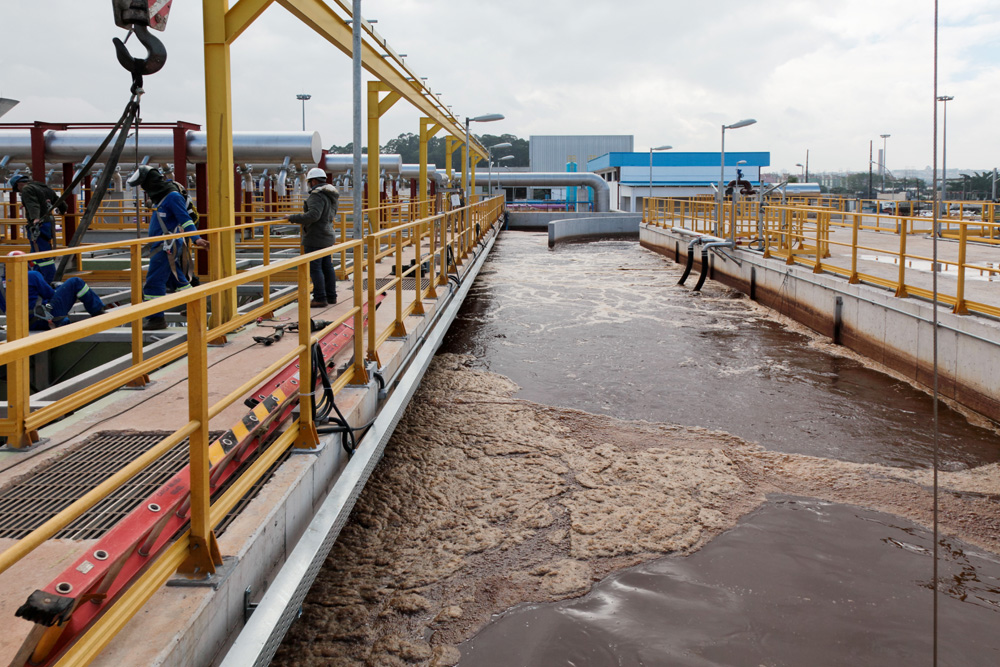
552 152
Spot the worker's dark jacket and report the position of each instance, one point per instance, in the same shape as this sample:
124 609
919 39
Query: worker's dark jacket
36 199
317 217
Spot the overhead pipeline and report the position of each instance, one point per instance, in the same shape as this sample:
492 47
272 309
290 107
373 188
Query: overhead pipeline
557 179
158 145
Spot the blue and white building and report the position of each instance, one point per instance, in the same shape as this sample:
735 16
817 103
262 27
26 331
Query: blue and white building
673 174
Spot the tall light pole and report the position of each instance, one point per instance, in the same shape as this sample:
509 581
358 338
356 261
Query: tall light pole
722 175
944 146
884 137
505 158
799 164
488 118
303 97
489 149
658 148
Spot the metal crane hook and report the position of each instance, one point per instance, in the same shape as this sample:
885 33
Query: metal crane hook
156 55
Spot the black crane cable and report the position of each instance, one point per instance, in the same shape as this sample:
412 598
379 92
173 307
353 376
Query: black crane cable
122 127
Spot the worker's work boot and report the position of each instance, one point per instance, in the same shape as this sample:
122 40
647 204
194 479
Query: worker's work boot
316 303
155 322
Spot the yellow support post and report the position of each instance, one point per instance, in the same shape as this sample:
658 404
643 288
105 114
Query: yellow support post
308 438
901 282
450 145
360 374
203 550
376 109
18 370
135 272
960 307
219 141
428 128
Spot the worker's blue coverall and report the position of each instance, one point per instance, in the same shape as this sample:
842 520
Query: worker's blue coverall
50 307
171 217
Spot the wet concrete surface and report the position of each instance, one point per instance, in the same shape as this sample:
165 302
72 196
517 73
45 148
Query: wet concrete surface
603 327
587 416
781 588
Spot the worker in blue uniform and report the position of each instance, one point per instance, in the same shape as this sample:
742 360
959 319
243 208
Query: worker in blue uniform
37 200
49 308
170 266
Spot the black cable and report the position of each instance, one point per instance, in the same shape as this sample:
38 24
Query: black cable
97 196
321 410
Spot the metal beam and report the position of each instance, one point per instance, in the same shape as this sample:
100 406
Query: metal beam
428 128
241 15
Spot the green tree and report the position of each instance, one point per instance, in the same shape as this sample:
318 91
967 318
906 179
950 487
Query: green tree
407 146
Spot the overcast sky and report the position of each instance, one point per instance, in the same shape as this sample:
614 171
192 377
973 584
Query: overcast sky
823 76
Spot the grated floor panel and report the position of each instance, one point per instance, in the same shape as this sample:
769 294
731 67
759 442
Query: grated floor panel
28 504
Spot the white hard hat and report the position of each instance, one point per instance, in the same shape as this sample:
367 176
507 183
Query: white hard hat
316 172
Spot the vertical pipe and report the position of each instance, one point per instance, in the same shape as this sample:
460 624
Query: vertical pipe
838 319
356 172
722 175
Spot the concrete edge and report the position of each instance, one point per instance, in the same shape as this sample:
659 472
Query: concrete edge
575 228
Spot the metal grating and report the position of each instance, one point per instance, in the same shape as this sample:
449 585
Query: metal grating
31 502
408 283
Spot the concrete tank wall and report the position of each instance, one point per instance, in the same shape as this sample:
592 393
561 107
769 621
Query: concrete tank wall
601 225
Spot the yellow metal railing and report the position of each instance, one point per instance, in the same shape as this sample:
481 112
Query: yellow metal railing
433 240
807 235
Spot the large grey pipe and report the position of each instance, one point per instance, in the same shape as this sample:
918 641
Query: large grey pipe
557 179
75 145
339 164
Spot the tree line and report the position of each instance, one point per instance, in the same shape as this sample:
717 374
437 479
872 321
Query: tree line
407 145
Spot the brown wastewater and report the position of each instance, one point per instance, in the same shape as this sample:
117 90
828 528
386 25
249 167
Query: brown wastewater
604 468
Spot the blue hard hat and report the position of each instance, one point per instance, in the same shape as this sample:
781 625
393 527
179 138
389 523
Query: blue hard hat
15 179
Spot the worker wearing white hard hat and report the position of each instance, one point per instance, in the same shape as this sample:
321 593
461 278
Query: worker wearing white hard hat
317 233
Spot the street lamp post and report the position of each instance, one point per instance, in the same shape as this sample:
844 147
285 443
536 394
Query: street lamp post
489 149
658 148
303 97
799 164
884 137
722 176
490 117
505 158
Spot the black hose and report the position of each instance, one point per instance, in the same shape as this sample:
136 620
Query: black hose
704 269
322 408
688 265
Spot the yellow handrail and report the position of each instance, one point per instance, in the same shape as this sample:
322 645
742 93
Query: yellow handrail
801 234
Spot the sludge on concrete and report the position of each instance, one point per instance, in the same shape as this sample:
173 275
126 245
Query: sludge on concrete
484 501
